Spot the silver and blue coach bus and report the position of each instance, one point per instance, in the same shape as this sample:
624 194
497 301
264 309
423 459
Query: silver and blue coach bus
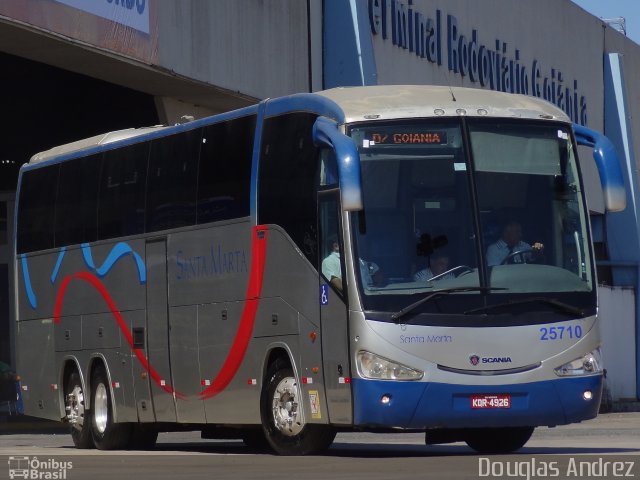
393 258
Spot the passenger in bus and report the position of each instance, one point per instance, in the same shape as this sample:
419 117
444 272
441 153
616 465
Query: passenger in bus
370 273
511 249
438 264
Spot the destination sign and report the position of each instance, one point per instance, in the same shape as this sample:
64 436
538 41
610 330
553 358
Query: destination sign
410 138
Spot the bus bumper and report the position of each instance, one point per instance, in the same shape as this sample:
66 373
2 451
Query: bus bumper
420 405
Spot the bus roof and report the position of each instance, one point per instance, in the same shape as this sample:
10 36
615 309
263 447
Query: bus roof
367 103
405 101
90 142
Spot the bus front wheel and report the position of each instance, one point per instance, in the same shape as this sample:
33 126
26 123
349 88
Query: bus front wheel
498 440
107 435
283 420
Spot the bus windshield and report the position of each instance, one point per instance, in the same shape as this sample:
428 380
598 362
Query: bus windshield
486 211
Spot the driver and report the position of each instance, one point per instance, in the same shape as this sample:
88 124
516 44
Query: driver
511 248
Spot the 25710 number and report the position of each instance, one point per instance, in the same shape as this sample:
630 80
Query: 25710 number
560 332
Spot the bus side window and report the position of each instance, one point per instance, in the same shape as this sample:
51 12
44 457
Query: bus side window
122 192
332 261
171 190
288 180
77 201
36 214
224 173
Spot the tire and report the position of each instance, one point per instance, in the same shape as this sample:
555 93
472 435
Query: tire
282 418
106 434
143 437
498 440
78 418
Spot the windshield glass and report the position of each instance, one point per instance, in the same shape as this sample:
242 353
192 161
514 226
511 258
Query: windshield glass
531 211
510 227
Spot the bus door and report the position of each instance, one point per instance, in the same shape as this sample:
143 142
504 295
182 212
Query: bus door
158 331
333 309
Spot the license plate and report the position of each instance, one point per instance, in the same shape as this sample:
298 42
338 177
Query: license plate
500 400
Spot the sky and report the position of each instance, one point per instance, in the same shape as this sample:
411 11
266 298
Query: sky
629 9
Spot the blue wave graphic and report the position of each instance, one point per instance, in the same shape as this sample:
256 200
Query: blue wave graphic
33 301
56 269
88 258
120 250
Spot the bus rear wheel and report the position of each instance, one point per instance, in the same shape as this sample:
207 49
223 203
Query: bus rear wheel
282 418
498 440
77 416
107 435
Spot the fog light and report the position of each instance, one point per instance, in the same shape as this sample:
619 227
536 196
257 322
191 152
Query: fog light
385 399
587 395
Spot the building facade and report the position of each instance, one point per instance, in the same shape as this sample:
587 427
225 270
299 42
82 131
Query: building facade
76 68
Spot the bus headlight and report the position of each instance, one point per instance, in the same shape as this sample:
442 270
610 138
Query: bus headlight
586 365
373 366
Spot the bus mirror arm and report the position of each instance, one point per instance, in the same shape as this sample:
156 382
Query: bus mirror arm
327 134
606 157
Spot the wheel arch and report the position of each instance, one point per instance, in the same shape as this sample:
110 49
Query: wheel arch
275 352
96 361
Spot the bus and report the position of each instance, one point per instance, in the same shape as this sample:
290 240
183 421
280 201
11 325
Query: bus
380 259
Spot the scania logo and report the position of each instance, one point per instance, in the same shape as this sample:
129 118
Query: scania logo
496 360
476 359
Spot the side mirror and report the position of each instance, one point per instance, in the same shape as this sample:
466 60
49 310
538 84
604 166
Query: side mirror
326 134
606 157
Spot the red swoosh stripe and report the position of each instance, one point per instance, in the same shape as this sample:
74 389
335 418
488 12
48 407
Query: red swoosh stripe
92 280
245 329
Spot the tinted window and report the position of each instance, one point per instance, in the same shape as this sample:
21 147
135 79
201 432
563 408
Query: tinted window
171 197
224 177
122 192
36 214
288 179
75 219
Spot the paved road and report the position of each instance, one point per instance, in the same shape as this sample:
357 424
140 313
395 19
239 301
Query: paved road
561 452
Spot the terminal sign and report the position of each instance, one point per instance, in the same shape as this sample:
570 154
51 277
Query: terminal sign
493 64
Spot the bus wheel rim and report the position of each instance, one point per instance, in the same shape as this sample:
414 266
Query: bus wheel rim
75 407
101 408
286 412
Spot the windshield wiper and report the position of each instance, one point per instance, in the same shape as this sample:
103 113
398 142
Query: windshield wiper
563 307
445 291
